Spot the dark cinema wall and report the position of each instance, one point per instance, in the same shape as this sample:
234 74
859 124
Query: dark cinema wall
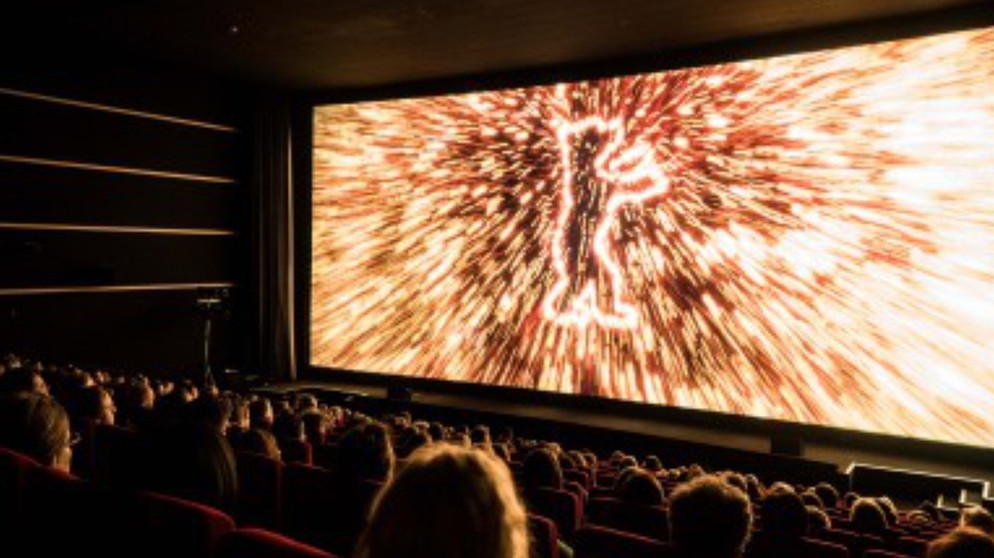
122 195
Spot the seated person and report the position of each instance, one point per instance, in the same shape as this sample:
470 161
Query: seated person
709 519
448 502
37 426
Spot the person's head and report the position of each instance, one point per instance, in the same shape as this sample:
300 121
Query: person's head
261 414
259 441
447 502
828 494
709 518
653 464
867 517
541 470
641 489
810 498
977 518
316 426
480 437
215 411
192 460
96 404
365 452
784 515
23 379
818 520
37 426
736 480
962 543
306 402
437 431
289 426
890 510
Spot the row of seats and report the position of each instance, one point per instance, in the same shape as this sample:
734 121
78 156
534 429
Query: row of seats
48 513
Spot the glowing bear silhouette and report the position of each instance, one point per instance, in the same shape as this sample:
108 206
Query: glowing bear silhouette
600 175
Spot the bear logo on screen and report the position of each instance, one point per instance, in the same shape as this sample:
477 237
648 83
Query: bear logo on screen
601 173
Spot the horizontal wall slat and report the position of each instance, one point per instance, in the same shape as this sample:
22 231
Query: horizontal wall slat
56 259
148 331
118 110
44 130
137 86
33 193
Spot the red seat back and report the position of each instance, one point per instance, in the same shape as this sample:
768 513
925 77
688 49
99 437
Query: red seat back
14 469
168 526
592 541
877 553
260 543
296 451
647 521
544 537
560 506
260 481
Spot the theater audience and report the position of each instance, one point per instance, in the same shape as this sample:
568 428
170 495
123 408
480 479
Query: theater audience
709 519
448 502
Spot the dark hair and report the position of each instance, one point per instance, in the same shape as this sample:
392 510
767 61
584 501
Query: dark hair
867 517
962 543
35 425
641 488
194 461
448 502
316 425
784 515
261 413
289 426
652 463
259 441
828 494
541 470
811 498
709 518
365 452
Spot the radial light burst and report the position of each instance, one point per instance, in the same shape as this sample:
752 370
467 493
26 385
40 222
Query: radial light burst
807 238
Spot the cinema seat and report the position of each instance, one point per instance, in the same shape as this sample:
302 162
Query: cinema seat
877 553
14 469
260 543
296 451
648 521
260 480
544 537
168 526
562 507
592 541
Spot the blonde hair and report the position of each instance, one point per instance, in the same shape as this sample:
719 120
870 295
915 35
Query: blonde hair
447 502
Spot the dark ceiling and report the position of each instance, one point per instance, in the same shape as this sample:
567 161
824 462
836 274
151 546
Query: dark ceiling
339 44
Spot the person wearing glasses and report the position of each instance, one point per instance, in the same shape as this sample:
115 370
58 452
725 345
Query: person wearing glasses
37 426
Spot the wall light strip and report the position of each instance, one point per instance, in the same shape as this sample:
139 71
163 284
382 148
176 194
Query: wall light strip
113 288
117 110
113 229
114 169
